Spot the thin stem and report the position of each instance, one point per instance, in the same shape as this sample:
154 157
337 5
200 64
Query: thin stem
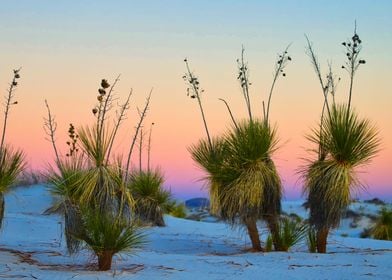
195 89
121 117
316 66
139 125
149 147
105 107
50 127
231 114
8 103
243 76
140 149
281 64
331 83
352 69
352 72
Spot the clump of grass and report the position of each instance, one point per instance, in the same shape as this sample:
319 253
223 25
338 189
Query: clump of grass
382 228
178 210
291 232
106 236
312 239
152 201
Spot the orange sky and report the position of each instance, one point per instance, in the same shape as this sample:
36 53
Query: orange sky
65 50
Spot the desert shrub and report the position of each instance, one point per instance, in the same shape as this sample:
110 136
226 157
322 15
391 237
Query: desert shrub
243 181
178 210
91 186
151 200
106 236
12 161
344 141
382 229
291 232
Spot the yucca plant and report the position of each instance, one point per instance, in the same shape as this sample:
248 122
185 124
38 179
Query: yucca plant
351 142
11 165
345 142
382 228
252 179
107 235
91 186
63 185
11 161
152 201
239 171
243 182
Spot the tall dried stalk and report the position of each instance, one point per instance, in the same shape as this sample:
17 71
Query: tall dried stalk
140 148
120 118
353 47
50 127
194 92
142 115
243 77
230 113
9 101
281 63
149 147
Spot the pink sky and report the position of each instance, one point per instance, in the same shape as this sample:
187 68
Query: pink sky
65 53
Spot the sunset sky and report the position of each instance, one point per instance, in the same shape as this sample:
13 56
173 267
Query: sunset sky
66 47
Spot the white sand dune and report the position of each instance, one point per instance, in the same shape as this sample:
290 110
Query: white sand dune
32 247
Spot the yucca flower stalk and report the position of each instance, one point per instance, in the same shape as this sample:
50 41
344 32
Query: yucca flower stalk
12 162
194 91
149 147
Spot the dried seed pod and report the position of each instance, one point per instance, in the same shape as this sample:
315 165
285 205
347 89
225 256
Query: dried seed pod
105 84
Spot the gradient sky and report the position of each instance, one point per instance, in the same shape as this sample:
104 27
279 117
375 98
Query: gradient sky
66 47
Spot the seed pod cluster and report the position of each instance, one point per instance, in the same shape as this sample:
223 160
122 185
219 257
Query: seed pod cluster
101 94
73 138
193 89
352 48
